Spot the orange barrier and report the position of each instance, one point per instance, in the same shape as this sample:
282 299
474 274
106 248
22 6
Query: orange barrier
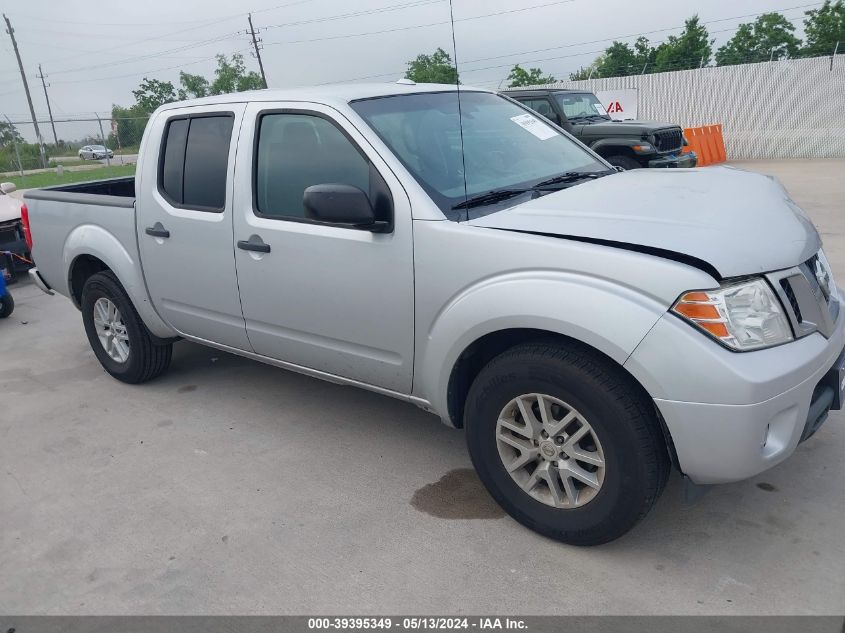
707 142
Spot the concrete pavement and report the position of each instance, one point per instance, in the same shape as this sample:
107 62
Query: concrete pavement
230 487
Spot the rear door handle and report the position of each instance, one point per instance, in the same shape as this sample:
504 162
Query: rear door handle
157 230
250 245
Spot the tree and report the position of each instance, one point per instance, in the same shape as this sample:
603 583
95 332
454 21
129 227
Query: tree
9 134
586 72
691 49
770 36
232 76
436 68
152 93
823 28
531 77
130 124
193 86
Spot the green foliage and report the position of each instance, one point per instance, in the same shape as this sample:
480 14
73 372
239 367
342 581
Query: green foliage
436 68
130 126
193 86
770 36
531 77
232 76
823 28
586 72
691 49
152 93
8 134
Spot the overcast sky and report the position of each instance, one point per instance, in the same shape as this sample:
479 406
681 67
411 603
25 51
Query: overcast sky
95 52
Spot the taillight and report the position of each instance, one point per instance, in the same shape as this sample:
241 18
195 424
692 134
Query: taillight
27 232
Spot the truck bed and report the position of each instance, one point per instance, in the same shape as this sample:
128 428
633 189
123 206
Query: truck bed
119 192
65 217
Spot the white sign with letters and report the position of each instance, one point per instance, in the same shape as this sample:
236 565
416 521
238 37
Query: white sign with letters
534 125
620 104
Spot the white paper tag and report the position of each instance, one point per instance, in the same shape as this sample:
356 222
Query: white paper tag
600 109
534 125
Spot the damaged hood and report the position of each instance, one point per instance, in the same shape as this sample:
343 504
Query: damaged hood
738 222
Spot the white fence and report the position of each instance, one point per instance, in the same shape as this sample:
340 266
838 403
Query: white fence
784 109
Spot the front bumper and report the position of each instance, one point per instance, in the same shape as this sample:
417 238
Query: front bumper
686 160
734 415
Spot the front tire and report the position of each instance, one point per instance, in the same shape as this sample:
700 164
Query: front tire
120 340
7 306
565 442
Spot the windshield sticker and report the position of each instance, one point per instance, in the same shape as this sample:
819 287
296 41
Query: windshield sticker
534 125
600 109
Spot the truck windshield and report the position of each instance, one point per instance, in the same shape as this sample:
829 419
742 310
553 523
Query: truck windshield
506 148
581 105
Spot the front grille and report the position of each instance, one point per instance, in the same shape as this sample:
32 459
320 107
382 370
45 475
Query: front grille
670 140
790 295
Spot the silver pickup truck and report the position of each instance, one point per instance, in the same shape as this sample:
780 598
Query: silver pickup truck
589 329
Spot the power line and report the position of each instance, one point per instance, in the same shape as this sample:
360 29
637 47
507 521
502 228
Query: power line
355 14
419 26
145 72
163 53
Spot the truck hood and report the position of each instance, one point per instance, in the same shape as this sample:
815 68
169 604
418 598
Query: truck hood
734 222
620 128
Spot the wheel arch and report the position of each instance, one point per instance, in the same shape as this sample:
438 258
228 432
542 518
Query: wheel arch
595 312
90 249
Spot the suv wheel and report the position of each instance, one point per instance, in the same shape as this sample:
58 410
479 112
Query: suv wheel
120 340
565 443
625 162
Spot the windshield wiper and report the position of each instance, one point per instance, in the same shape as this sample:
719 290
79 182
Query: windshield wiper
573 176
490 197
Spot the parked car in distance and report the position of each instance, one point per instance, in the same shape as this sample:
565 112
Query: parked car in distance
95 152
11 234
458 252
626 144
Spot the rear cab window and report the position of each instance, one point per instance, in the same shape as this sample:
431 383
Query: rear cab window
193 162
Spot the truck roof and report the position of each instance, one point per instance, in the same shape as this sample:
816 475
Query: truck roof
328 94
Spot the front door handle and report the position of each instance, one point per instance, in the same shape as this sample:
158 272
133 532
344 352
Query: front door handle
157 230
254 243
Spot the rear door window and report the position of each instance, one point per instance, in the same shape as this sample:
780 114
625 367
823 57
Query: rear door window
194 161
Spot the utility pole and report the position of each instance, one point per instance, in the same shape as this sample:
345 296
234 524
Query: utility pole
835 50
49 109
257 50
11 33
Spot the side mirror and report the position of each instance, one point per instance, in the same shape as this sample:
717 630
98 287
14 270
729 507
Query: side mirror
343 205
8 187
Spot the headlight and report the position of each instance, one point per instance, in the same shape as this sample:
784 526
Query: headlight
644 148
742 316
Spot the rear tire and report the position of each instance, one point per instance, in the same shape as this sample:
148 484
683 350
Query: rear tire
625 162
623 430
122 343
7 306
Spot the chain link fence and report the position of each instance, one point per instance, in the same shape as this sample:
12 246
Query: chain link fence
74 150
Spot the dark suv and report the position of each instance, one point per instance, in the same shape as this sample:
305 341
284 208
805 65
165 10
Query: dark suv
627 144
